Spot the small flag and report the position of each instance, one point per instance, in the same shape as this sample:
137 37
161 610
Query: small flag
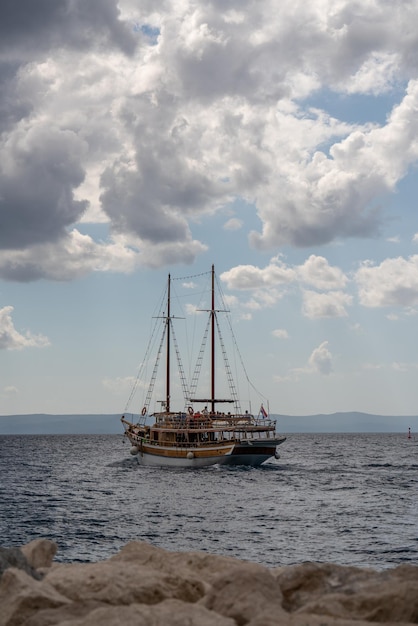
263 411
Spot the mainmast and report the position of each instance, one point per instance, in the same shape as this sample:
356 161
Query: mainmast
213 342
167 387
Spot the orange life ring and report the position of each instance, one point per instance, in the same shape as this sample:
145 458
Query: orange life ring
144 410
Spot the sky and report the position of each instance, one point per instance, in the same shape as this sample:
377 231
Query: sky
275 139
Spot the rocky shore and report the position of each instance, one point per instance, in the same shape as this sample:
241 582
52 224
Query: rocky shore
147 586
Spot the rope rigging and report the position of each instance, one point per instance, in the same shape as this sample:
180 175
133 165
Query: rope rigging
189 385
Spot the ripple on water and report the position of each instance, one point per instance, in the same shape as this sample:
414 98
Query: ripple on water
349 499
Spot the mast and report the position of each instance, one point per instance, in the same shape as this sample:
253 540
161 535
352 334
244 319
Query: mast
167 384
213 342
212 326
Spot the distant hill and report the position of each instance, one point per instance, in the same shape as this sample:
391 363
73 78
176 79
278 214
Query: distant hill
351 422
44 424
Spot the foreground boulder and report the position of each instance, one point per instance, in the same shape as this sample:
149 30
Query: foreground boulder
14 557
144 585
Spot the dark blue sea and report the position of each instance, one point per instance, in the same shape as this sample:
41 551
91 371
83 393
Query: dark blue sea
349 499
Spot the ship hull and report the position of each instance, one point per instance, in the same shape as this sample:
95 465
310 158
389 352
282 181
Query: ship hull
252 455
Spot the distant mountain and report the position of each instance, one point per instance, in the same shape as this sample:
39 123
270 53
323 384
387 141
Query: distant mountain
44 424
351 422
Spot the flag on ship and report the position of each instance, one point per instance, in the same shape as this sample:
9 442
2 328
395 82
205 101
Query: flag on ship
263 411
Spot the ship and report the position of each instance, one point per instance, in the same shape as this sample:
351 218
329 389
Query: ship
206 430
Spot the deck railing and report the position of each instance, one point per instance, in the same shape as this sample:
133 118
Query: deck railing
213 421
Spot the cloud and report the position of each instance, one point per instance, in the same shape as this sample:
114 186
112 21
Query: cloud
401 367
321 359
76 255
151 116
251 277
10 390
320 305
71 257
68 23
319 362
39 168
233 224
317 272
394 282
280 333
396 366
119 385
11 339
325 197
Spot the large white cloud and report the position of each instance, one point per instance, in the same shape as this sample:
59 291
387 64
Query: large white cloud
251 277
392 283
150 114
320 305
322 197
317 272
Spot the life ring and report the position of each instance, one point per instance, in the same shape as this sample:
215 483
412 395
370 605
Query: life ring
144 410
190 410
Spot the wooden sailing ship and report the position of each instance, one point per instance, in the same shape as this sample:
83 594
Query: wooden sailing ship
201 433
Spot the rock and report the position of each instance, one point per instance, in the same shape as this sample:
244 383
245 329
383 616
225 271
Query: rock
40 553
350 592
144 585
245 593
21 596
302 583
64 613
204 565
14 557
391 603
168 612
121 583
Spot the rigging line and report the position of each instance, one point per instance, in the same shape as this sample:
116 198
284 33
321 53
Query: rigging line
231 382
148 351
142 367
184 315
198 366
228 317
196 294
186 392
154 372
189 277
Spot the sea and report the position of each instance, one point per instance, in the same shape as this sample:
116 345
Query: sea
350 499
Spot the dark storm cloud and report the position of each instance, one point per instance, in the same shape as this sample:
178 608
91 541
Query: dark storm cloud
154 197
28 27
126 200
12 107
37 178
32 31
40 162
